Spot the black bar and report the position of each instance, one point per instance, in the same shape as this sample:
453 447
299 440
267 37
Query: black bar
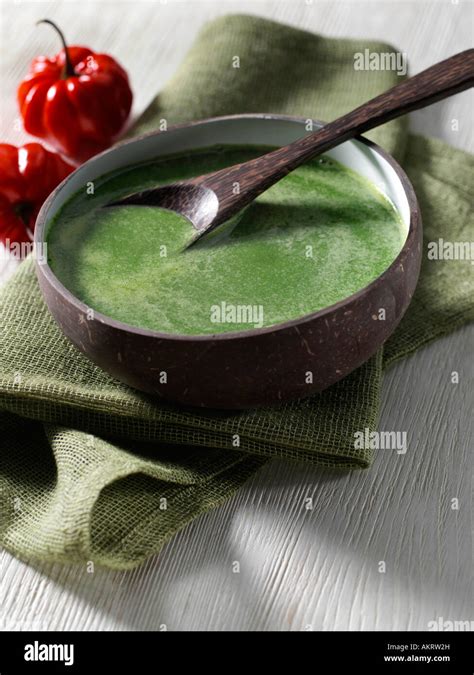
151 652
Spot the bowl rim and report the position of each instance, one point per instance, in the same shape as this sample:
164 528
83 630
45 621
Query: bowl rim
45 269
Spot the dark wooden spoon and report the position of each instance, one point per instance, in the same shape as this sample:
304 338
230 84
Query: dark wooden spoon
212 199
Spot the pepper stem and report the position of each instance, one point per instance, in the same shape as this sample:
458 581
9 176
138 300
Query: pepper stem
24 211
68 67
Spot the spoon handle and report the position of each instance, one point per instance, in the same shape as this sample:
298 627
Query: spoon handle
433 84
254 177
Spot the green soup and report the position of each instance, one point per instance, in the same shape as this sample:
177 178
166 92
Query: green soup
316 237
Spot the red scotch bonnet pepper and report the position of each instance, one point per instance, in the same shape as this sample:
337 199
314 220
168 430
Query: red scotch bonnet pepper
27 176
77 101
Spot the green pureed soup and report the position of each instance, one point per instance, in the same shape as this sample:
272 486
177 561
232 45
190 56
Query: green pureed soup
316 237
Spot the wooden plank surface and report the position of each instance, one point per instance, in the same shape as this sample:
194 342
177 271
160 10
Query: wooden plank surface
300 568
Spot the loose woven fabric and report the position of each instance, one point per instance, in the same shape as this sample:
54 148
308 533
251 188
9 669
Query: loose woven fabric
93 470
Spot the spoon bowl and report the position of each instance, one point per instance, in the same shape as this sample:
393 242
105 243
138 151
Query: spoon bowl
197 203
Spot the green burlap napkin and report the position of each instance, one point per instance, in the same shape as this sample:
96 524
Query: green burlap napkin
93 470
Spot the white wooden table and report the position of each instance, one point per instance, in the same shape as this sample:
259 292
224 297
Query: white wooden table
299 569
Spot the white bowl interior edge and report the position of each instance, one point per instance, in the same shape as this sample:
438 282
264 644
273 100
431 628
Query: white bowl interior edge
253 131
